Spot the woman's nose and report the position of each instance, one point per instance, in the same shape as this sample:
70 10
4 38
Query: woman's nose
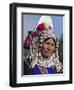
49 47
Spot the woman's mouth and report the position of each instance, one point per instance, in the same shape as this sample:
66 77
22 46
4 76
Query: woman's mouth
48 51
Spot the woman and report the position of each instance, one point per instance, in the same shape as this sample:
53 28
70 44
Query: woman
43 57
47 62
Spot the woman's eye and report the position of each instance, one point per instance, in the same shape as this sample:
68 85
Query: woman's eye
48 43
52 44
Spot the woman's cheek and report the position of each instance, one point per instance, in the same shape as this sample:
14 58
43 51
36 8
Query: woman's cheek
45 46
53 49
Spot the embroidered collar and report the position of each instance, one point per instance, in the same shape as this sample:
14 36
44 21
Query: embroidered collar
45 62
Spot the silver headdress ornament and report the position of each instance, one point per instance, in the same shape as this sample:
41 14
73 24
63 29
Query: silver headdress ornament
45 28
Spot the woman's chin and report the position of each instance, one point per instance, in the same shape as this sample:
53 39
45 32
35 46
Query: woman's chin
46 55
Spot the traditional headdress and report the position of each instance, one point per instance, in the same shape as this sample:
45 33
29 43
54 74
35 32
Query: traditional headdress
44 29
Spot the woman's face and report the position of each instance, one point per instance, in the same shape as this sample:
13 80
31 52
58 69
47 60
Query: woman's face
48 48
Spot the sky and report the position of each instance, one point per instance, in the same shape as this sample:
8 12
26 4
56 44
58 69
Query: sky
30 21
